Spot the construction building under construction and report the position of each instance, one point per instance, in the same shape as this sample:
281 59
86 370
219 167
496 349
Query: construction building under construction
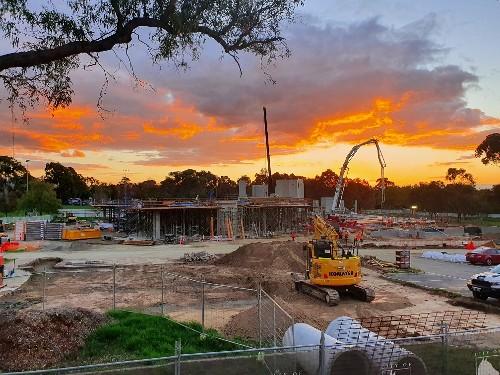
242 218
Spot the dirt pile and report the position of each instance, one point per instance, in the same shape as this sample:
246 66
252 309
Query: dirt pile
32 339
276 255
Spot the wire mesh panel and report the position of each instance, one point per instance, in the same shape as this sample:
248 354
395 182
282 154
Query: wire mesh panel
57 288
274 321
139 294
222 305
398 326
182 298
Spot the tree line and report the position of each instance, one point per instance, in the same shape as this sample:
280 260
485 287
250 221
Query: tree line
457 193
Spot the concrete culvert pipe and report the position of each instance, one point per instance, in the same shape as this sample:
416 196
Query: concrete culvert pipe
339 359
383 353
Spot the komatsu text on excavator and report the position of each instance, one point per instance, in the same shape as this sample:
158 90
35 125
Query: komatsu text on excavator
330 269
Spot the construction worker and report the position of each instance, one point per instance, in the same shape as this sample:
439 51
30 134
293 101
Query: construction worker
346 236
358 238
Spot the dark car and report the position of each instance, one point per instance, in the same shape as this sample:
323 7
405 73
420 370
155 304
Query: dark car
486 284
483 256
473 231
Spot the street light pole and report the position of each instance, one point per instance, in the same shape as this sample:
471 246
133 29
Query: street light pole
27 174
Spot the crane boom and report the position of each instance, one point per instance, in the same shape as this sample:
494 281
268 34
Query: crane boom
340 183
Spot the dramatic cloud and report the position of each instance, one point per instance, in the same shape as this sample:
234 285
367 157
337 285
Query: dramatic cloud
342 84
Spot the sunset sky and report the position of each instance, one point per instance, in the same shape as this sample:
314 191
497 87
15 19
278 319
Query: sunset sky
421 76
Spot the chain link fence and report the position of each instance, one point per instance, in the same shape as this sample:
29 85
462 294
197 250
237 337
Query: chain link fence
442 343
457 353
249 314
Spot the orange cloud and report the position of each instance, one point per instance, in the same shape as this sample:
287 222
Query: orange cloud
73 154
365 80
182 131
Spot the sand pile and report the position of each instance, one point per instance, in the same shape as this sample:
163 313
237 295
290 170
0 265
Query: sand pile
32 339
276 255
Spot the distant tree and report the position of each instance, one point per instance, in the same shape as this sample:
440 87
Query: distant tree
40 197
226 187
359 190
459 175
246 179
490 148
68 183
429 196
189 184
261 177
398 197
461 199
12 182
103 192
47 41
147 189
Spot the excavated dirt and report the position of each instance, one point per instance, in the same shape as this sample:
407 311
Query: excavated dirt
277 255
230 310
32 339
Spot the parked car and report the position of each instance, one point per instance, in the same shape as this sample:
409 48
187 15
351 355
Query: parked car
486 284
483 256
473 230
75 201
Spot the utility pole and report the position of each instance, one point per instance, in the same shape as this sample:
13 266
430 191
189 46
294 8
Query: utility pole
27 174
269 179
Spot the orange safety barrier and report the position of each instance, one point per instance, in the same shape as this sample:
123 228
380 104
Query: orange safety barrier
81 234
10 246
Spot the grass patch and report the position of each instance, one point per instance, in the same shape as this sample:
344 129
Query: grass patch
132 335
460 359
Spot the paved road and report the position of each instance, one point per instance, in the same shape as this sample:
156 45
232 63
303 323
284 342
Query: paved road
437 274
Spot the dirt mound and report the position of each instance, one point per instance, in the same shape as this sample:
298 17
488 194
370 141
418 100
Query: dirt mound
282 255
32 339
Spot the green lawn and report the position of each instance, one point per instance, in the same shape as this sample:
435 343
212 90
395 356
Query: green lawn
132 335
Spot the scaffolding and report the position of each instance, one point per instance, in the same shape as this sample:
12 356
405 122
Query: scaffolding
229 219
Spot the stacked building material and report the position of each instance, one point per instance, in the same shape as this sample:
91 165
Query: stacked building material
53 231
34 230
20 231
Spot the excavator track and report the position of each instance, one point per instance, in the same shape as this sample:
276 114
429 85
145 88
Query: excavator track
328 295
362 293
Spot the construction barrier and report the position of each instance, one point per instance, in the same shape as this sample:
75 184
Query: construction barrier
10 246
81 234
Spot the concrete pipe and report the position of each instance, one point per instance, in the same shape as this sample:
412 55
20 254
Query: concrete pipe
338 359
383 354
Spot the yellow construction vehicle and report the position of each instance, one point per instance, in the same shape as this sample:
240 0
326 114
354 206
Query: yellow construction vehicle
331 270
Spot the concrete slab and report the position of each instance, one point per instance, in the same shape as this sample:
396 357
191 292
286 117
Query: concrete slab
14 282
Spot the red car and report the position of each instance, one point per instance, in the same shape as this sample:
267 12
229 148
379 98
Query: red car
483 256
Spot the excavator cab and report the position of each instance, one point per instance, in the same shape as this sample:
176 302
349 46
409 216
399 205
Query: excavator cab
322 249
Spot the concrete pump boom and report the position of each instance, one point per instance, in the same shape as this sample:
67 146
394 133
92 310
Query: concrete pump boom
339 188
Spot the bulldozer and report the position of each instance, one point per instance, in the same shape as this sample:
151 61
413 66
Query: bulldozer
331 270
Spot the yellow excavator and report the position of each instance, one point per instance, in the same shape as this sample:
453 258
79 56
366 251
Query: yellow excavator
331 270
